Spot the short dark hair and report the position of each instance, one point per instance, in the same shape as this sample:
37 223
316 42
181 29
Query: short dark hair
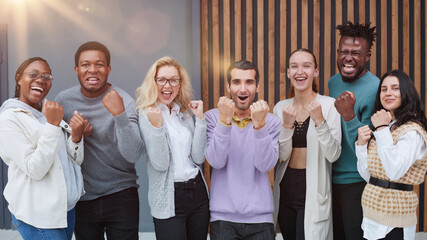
364 31
21 69
411 108
243 65
92 46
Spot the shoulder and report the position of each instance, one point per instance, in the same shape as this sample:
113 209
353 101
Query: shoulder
325 100
335 78
121 92
282 103
72 91
212 112
273 119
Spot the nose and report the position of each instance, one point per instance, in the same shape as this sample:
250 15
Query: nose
92 68
299 69
167 82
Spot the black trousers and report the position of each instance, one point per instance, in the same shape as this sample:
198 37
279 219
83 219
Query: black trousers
347 210
116 214
395 234
292 204
192 215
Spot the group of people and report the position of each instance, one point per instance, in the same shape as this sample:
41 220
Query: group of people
345 163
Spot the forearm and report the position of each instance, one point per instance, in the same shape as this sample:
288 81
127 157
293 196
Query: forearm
198 148
128 135
266 149
218 145
76 150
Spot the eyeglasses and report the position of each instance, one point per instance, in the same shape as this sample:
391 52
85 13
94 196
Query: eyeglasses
174 82
44 76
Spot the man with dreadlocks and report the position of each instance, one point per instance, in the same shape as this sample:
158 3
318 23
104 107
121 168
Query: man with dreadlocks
354 88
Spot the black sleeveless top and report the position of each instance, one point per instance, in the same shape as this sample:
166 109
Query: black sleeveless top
299 139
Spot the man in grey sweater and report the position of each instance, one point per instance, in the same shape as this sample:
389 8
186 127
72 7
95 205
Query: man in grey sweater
112 146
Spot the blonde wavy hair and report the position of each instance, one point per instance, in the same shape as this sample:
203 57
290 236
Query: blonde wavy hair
147 94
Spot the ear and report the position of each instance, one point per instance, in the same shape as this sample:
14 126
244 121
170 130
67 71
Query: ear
75 69
288 73
257 87
19 82
228 86
316 72
109 69
368 56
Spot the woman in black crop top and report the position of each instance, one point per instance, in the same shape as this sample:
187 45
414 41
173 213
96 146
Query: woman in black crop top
309 141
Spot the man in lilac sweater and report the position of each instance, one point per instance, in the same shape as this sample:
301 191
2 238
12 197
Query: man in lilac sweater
242 148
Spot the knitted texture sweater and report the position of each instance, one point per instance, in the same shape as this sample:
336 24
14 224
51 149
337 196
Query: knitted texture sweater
393 207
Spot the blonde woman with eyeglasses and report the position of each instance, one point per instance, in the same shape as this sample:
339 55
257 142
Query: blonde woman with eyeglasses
174 151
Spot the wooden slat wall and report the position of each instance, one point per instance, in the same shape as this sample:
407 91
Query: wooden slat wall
267 31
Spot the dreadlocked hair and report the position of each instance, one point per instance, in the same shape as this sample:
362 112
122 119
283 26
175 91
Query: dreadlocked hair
358 30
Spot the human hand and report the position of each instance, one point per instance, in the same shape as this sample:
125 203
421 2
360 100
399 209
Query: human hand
345 105
363 135
226 108
196 108
381 117
259 111
155 116
87 128
289 116
53 112
314 109
77 124
113 103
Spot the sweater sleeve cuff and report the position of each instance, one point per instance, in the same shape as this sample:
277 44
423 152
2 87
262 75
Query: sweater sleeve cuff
285 133
223 129
354 121
121 120
52 130
261 133
201 122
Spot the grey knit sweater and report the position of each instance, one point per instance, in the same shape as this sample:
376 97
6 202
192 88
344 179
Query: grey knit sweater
112 148
159 168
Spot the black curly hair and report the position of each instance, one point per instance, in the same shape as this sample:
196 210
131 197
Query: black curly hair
358 30
411 108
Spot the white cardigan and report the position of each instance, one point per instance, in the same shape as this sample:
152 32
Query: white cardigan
323 148
36 189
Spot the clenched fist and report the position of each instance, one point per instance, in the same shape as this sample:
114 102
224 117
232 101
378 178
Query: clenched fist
259 111
381 117
226 108
113 103
53 112
196 108
77 124
363 135
87 129
155 117
289 116
314 109
345 105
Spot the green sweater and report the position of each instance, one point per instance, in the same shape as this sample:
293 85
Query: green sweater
365 90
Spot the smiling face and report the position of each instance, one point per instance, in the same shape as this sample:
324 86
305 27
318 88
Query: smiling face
33 91
302 70
167 93
92 72
390 94
242 87
353 54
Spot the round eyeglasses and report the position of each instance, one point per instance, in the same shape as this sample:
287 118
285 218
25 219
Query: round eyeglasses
44 76
174 82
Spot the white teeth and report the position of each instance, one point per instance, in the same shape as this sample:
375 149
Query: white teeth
299 79
92 79
348 65
37 88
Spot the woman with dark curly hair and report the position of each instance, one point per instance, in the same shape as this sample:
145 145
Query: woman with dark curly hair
394 160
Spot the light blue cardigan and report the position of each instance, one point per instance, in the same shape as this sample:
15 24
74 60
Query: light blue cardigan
158 157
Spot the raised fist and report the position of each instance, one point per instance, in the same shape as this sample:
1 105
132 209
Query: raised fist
113 103
53 112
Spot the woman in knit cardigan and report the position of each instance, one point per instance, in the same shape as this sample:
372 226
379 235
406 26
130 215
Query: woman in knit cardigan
309 141
393 160
174 150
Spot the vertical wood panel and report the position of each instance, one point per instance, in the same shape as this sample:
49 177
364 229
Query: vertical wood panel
260 40
316 35
350 10
271 54
405 39
327 46
417 50
373 20
338 21
283 60
383 38
237 30
227 49
216 54
304 24
394 33
294 25
362 11
249 32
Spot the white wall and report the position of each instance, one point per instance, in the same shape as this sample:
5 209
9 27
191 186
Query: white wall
137 32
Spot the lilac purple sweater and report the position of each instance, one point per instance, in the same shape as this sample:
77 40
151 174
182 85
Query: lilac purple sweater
240 190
